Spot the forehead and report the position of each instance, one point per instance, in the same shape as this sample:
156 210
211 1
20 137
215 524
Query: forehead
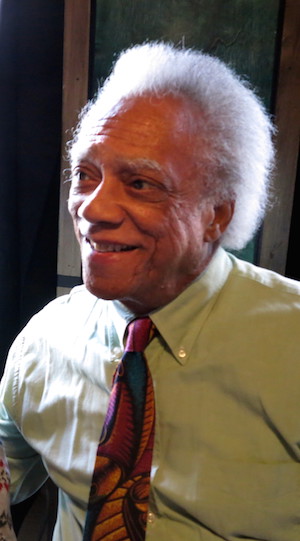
146 125
147 112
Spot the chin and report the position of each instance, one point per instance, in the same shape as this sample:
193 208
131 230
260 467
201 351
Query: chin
102 292
105 295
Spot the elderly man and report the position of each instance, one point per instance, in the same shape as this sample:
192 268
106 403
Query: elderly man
169 166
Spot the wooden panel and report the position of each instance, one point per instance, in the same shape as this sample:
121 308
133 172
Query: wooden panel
75 91
275 234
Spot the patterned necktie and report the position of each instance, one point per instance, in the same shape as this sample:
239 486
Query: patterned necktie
119 493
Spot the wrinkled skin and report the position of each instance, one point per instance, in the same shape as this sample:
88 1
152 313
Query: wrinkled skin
145 226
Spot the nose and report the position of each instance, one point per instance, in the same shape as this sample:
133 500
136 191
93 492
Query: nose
103 205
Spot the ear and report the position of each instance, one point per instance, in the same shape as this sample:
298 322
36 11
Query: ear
222 215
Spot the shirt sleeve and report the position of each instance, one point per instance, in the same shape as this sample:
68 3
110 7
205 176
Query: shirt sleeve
25 464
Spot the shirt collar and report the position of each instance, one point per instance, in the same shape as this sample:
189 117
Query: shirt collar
180 321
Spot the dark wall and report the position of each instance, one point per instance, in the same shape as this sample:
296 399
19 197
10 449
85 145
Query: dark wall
31 50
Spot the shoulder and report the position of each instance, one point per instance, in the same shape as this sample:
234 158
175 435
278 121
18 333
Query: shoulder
51 336
78 299
265 283
65 314
261 305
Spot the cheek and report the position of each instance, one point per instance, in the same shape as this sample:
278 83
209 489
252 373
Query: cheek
72 201
152 222
173 233
187 233
184 222
73 206
75 225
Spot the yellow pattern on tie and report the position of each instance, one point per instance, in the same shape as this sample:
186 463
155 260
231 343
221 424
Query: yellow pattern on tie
120 487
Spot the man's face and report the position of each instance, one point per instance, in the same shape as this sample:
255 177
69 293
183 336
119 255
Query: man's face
138 205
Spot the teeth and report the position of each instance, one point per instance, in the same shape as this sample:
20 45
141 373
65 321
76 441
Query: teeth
109 247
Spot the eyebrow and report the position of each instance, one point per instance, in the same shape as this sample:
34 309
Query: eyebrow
134 164
144 163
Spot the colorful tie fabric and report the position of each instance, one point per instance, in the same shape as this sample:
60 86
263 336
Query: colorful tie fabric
119 493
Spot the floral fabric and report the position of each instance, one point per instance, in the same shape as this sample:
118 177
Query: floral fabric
6 527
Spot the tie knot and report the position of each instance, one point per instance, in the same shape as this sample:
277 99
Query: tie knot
139 334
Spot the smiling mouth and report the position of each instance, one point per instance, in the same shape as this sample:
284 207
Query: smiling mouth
103 247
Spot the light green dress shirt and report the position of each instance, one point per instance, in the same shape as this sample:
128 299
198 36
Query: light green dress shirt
226 372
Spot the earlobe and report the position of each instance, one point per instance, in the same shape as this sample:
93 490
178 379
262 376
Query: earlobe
222 217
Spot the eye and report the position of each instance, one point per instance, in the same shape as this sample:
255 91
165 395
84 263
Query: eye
85 172
140 184
147 189
84 180
81 175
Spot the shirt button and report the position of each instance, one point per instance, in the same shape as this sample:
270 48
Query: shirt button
182 353
150 518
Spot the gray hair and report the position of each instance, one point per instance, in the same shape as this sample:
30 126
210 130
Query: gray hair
236 124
